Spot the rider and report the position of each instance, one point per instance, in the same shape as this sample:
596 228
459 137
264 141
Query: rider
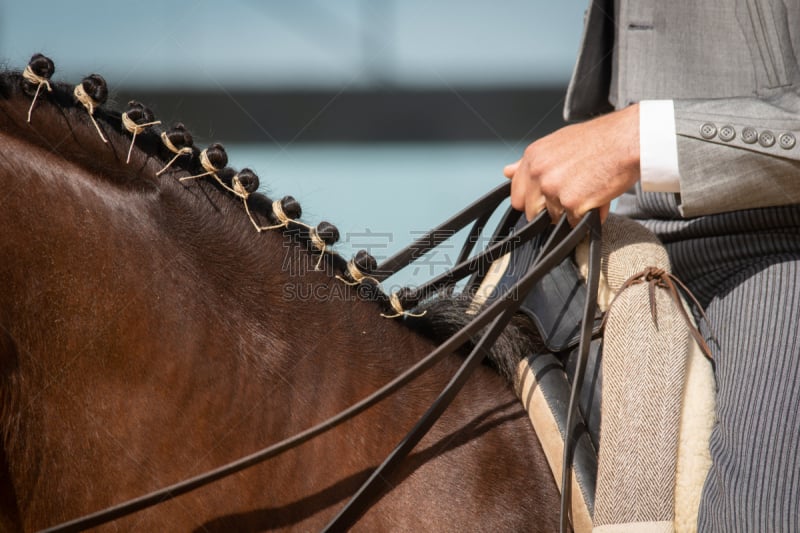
699 118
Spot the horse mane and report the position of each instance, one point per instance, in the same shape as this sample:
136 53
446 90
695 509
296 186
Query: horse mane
442 316
154 158
134 152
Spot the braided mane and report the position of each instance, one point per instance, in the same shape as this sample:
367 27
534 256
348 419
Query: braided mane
132 150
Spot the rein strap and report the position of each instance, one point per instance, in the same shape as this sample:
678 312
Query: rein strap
496 316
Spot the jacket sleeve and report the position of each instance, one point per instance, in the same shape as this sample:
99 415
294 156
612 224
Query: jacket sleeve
738 153
744 152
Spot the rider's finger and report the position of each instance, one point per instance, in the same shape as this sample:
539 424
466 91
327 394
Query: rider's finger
511 169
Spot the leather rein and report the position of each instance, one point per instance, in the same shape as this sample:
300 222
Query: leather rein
492 319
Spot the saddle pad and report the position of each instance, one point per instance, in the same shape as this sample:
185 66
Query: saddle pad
657 413
544 390
555 304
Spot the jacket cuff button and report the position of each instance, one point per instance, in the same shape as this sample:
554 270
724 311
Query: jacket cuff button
727 133
749 135
766 139
708 130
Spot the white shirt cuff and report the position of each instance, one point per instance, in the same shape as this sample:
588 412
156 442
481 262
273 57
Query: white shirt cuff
658 147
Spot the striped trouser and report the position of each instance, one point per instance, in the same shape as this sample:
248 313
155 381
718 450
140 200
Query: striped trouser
749 285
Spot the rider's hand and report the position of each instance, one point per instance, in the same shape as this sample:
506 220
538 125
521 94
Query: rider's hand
578 167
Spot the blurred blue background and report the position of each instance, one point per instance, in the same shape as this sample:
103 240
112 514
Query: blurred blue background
299 43
381 116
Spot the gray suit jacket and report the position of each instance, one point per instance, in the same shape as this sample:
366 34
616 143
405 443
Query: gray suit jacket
730 66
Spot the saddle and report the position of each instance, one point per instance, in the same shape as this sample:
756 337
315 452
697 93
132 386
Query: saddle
555 306
656 368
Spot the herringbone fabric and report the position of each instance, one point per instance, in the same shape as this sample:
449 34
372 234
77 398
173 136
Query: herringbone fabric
656 416
644 370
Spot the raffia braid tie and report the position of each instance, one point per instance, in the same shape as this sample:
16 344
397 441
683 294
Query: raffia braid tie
356 274
277 210
186 150
135 130
211 170
319 244
397 305
40 81
89 104
239 190
658 277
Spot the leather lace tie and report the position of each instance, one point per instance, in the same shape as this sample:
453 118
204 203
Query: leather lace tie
658 277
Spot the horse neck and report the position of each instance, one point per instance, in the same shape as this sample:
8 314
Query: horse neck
89 231
146 300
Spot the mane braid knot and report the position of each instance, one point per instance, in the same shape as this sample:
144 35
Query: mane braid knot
356 275
319 244
211 170
280 214
135 130
240 190
185 150
397 305
89 103
40 81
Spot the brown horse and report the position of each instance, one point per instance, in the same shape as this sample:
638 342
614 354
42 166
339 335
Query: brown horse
147 334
